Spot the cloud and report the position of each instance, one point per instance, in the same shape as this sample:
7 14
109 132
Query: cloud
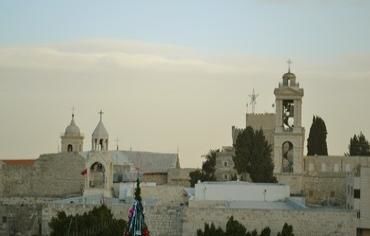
121 56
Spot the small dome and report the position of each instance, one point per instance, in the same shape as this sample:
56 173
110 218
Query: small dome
289 76
72 129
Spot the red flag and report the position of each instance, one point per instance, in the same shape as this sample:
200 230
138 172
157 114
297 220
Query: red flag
84 172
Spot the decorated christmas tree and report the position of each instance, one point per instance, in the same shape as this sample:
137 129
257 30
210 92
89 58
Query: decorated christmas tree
136 224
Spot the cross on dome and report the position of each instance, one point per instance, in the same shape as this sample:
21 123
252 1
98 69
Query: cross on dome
289 62
101 114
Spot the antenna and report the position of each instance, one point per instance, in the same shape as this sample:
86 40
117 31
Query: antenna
117 142
253 101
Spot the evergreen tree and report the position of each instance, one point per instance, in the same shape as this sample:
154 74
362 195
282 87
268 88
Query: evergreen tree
359 146
266 232
207 173
316 142
253 156
254 233
234 228
286 231
97 222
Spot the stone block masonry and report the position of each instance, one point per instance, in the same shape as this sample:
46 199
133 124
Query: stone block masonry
305 222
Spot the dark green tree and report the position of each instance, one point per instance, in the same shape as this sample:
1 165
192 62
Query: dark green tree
266 232
253 156
210 230
316 142
138 190
359 146
286 231
207 173
97 222
234 228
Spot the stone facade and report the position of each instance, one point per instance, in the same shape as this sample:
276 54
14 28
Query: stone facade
358 197
179 177
20 219
51 175
305 222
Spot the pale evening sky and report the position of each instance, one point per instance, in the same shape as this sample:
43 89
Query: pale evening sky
171 73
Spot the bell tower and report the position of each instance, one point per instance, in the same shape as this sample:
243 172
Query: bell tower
100 136
289 133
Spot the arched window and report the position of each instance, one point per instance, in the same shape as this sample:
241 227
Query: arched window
69 148
97 175
287 156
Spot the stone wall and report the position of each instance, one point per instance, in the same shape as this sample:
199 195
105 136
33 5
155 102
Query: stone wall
17 180
326 189
27 216
158 178
305 222
51 175
179 177
295 182
165 195
20 219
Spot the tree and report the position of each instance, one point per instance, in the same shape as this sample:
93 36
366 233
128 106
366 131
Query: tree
253 156
286 231
207 173
210 230
97 222
316 142
359 146
234 228
266 232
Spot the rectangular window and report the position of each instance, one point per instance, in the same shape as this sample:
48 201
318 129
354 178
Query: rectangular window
356 193
332 194
358 215
310 193
4 219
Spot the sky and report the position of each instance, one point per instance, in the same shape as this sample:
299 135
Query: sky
176 75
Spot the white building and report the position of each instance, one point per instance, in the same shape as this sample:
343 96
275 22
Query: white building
358 197
241 191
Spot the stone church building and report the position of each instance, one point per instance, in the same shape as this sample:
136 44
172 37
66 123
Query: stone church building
74 171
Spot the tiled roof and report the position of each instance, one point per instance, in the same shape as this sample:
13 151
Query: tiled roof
24 162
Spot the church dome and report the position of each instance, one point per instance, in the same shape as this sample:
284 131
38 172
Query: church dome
72 129
289 76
